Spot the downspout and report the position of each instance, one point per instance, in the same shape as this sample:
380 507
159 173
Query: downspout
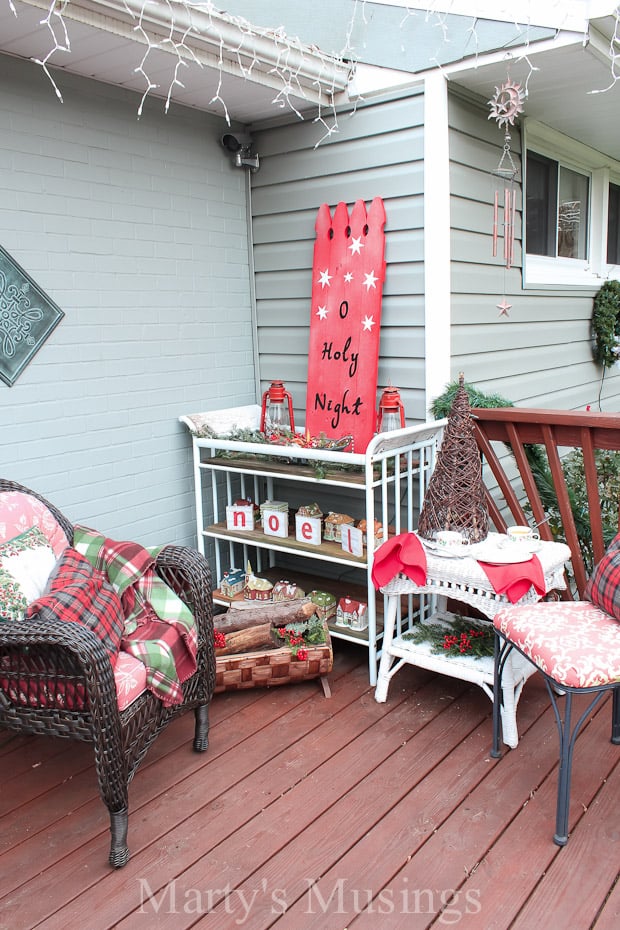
252 283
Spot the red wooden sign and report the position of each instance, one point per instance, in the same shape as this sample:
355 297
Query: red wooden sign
343 358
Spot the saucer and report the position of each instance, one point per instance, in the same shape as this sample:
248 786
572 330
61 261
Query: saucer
529 545
501 555
447 552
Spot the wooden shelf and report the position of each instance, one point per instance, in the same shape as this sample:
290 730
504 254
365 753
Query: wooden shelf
267 466
310 582
328 551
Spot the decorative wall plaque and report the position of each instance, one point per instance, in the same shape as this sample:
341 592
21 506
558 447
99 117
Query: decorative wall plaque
343 356
27 317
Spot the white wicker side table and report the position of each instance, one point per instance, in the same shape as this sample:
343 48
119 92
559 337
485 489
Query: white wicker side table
463 580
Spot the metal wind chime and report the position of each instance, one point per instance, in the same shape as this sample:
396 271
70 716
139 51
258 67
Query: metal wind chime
506 104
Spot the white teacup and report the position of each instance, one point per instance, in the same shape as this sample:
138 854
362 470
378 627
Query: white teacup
521 534
450 539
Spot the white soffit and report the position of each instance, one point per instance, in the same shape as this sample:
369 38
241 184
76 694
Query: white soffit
205 59
555 14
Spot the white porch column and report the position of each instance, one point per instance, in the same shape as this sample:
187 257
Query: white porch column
436 235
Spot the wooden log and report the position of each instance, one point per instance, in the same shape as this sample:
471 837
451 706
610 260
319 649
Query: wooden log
279 614
247 640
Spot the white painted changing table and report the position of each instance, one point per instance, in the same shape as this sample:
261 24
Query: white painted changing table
463 580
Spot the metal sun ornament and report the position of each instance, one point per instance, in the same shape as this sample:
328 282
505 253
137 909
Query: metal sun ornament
507 103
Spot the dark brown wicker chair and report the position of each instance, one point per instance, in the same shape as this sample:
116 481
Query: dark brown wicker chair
42 650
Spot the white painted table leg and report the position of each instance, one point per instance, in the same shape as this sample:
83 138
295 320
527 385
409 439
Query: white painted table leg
383 679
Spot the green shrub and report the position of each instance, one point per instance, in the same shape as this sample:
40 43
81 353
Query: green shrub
606 323
608 471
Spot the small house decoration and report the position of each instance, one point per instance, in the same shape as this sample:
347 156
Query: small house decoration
310 510
257 589
352 613
378 532
308 524
287 591
240 517
233 582
333 525
325 604
248 502
274 515
455 498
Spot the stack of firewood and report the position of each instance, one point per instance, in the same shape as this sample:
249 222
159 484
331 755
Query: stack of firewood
247 629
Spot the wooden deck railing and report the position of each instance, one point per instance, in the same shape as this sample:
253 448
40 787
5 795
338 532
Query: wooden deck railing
557 431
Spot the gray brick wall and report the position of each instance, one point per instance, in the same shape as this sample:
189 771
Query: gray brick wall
136 228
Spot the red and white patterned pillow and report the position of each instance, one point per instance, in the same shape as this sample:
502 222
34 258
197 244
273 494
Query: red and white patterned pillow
603 587
25 565
20 511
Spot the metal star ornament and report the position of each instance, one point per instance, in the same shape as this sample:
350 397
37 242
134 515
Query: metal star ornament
504 307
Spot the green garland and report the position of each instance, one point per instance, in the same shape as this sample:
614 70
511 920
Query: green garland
442 405
463 636
606 323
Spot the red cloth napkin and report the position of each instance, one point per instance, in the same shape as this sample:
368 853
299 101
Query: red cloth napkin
402 553
515 579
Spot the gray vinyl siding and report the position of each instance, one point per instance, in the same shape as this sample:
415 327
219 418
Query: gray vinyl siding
137 229
540 355
376 152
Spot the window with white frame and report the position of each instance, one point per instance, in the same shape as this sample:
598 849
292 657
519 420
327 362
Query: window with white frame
556 209
571 205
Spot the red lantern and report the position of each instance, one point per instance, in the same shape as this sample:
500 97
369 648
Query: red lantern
391 413
274 415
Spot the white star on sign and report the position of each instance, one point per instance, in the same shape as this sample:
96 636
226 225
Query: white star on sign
324 278
322 313
368 323
356 245
370 280
348 277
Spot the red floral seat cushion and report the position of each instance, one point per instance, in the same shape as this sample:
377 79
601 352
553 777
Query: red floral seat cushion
574 642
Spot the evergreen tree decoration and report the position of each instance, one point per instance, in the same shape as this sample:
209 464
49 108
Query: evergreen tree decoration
455 497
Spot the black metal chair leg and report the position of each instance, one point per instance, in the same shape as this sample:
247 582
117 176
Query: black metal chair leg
615 718
567 745
560 837
119 851
497 697
201 733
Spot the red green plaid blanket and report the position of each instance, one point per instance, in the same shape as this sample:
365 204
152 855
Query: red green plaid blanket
160 629
81 594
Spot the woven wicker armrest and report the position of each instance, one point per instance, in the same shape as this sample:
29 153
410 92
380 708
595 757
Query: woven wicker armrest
46 651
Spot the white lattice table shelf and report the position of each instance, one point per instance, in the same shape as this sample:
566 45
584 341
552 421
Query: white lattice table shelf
463 580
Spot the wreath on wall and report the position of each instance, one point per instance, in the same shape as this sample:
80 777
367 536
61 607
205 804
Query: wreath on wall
606 324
